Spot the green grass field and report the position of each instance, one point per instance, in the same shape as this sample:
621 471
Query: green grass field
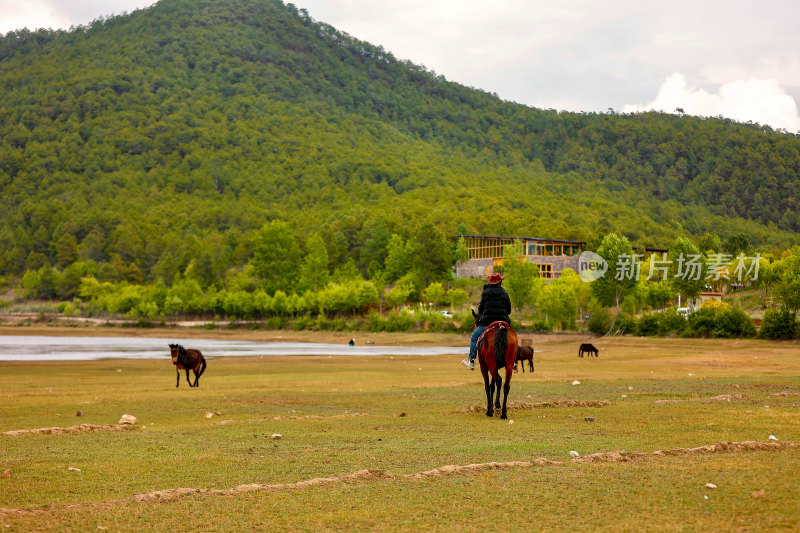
401 415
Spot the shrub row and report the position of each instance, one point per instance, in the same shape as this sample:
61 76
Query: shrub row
724 322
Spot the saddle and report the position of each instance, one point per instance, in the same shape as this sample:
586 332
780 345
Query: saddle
491 327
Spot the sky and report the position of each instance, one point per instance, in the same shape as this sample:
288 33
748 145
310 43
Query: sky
734 58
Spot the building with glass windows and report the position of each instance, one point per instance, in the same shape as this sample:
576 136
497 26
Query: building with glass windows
485 254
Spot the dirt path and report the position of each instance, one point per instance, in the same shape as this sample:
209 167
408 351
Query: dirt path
80 428
447 470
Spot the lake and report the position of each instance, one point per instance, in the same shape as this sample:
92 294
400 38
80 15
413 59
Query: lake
42 348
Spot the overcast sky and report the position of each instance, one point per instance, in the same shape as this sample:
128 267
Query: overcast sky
735 58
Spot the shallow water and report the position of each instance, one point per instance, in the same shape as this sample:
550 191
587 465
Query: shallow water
41 348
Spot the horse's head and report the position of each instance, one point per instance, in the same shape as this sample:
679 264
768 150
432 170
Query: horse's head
175 351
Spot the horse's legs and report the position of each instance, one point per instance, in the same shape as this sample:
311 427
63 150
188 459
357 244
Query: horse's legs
489 411
506 388
187 378
202 367
530 362
178 373
498 381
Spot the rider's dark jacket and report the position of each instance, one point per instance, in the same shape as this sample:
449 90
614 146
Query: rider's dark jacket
495 305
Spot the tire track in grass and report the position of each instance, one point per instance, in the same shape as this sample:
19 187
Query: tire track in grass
526 406
291 417
169 495
80 428
720 447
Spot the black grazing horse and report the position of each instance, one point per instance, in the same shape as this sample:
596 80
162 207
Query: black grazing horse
184 359
524 353
588 349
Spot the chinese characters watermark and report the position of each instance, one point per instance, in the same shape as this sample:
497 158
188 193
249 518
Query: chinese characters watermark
688 267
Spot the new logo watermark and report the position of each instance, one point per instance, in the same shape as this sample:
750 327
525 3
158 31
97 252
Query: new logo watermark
591 266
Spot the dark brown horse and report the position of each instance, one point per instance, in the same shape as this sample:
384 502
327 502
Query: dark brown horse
588 349
497 349
524 353
184 359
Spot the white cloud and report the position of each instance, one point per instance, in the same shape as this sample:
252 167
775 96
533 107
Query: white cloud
35 14
757 100
32 14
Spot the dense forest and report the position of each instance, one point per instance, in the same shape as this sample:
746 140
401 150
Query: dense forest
177 141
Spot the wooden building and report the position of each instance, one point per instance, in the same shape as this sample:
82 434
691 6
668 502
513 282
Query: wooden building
485 253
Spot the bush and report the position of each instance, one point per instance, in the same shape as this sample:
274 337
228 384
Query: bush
275 322
338 324
648 325
672 323
541 324
625 325
448 326
701 323
600 321
733 322
66 308
400 321
375 322
778 324
720 321
303 323
466 320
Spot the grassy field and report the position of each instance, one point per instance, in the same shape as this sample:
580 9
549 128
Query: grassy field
390 418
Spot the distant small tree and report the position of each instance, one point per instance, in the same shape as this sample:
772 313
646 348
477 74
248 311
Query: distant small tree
457 298
400 293
658 294
434 293
687 269
522 277
398 261
430 253
787 287
736 243
617 281
778 324
66 250
276 257
557 301
582 289
314 268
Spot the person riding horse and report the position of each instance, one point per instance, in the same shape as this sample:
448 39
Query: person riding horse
495 305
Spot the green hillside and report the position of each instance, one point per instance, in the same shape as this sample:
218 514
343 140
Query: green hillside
147 140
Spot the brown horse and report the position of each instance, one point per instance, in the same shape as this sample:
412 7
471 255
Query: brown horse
184 359
496 350
524 353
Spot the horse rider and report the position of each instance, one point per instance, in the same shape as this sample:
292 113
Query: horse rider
495 305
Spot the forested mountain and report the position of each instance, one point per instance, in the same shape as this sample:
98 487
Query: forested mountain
148 140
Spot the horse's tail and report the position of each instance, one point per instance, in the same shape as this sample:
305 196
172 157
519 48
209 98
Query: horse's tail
203 367
500 347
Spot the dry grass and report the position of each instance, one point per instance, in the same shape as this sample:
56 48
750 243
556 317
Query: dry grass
401 443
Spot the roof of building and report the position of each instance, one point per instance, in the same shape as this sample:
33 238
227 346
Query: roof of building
537 239
648 249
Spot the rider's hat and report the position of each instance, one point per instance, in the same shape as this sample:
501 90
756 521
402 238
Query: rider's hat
495 278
